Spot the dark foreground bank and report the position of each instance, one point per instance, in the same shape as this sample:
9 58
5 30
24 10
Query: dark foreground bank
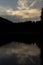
14 60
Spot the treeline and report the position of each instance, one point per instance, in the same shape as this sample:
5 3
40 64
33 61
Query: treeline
27 32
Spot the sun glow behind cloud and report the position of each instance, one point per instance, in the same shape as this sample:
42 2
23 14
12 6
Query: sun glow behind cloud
31 13
24 10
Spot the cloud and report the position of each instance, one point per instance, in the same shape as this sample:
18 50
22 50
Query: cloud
38 4
10 12
32 4
27 4
3 10
31 14
22 4
21 15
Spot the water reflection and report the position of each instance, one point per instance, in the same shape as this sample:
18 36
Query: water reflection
19 53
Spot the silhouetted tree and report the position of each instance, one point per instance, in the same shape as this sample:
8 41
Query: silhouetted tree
42 14
27 32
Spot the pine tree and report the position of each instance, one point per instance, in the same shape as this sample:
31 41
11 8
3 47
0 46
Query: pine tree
42 15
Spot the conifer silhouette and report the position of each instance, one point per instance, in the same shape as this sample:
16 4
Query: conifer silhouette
15 32
42 14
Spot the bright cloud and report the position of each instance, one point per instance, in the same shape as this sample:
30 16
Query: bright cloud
26 4
22 15
25 13
25 10
22 4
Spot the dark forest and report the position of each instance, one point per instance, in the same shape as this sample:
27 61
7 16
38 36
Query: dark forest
27 32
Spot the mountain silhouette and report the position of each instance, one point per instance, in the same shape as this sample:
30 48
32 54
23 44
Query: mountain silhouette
4 21
27 32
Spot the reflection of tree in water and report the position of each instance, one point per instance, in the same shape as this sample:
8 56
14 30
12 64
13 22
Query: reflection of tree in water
30 39
26 54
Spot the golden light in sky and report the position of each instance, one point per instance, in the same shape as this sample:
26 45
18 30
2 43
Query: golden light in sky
25 11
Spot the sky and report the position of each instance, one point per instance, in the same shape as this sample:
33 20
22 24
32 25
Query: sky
21 10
